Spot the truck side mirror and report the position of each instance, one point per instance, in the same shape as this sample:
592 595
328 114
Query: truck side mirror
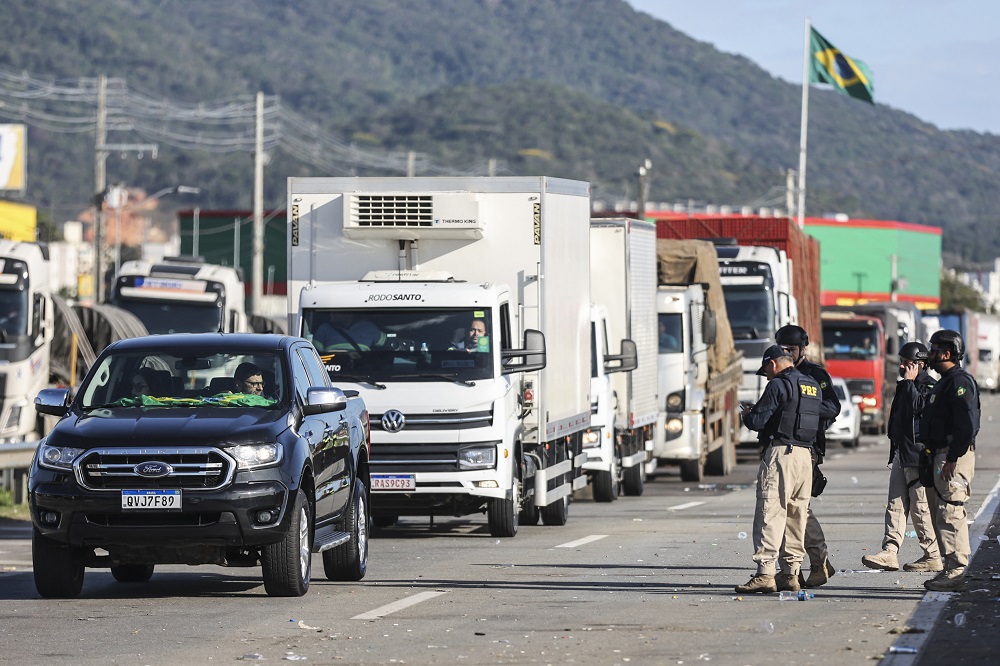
709 327
532 354
37 303
890 347
627 360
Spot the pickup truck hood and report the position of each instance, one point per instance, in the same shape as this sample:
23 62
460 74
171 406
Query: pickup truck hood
138 426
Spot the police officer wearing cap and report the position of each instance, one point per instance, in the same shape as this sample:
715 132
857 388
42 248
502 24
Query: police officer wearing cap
949 424
907 497
787 419
794 340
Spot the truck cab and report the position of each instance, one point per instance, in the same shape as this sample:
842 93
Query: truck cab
855 348
756 281
26 327
182 295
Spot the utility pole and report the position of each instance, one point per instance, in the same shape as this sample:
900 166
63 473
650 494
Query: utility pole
258 211
642 173
101 155
790 193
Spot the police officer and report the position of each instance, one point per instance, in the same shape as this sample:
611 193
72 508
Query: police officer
906 494
949 424
794 340
787 418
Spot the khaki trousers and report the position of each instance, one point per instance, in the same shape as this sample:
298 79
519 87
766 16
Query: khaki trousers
907 497
947 502
815 541
784 483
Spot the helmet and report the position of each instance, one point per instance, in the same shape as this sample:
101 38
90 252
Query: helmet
949 340
913 351
791 335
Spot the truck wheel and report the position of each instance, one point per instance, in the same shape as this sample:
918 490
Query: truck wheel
556 513
722 460
633 479
58 568
502 514
350 560
286 564
132 573
529 513
692 470
606 483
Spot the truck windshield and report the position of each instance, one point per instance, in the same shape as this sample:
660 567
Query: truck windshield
671 333
175 316
13 312
185 379
751 311
410 344
850 342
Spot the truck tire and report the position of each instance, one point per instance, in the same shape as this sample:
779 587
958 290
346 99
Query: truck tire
722 460
606 483
286 564
634 479
502 514
58 568
384 519
529 513
132 573
350 560
692 470
556 513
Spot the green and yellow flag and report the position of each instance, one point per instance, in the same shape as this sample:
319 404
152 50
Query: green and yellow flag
846 75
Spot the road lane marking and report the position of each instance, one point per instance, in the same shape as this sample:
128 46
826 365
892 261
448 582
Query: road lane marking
584 540
687 505
382 611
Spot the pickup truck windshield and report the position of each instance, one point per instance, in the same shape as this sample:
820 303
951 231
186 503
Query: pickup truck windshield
185 379
406 344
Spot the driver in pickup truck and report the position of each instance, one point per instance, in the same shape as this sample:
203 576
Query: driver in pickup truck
249 379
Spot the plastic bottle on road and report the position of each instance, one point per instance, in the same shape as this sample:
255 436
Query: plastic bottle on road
801 595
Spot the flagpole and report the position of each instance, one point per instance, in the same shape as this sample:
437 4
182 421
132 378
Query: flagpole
804 131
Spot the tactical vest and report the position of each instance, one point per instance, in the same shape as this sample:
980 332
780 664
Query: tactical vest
935 420
797 422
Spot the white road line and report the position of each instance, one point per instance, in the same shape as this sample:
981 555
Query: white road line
399 605
688 505
584 540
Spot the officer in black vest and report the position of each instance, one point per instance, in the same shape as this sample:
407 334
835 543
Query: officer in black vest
787 419
794 340
949 424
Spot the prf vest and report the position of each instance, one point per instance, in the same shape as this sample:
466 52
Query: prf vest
797 422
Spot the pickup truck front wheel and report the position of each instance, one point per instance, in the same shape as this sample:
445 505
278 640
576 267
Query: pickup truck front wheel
350 560
286 564
58 568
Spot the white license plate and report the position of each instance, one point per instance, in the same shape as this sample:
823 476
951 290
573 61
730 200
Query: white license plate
394 482
151 500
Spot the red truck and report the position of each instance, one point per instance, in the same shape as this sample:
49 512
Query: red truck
854 347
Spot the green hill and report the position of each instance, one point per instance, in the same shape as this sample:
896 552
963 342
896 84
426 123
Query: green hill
575 88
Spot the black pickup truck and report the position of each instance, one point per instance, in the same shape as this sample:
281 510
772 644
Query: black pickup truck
228 449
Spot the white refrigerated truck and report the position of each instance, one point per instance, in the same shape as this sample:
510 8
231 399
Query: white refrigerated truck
623 407
460 309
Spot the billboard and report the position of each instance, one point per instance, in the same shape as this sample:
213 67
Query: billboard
13 157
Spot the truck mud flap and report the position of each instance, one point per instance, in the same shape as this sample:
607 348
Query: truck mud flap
544 496
634 459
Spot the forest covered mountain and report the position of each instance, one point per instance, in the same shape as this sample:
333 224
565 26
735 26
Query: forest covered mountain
573 88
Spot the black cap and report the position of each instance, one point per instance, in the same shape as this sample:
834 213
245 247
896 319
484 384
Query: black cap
771 353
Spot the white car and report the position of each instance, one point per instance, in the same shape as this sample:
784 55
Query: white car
846 427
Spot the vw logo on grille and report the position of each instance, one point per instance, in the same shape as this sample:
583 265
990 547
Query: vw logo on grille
393 420
153 469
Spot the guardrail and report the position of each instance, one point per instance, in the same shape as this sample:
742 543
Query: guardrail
15 459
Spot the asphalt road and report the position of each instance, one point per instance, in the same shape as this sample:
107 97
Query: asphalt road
645 580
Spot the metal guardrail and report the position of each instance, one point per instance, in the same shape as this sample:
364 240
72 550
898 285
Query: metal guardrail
15 459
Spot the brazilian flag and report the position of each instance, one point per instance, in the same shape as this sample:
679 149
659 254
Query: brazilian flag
846 75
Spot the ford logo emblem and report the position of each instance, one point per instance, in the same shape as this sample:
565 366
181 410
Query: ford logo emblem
393 420
153 469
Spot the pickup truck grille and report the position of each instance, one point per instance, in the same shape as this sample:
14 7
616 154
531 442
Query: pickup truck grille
194 468
456 421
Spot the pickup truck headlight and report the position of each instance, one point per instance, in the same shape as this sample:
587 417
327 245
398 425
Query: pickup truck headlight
477 457
252 456
58 457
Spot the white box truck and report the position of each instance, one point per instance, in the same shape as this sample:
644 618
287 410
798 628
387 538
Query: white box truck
460 309
623 392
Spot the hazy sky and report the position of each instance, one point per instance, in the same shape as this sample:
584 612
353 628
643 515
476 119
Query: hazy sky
937 59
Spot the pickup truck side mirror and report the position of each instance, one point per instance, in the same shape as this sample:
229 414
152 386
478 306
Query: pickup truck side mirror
627 360
52 401
532 354
320 400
